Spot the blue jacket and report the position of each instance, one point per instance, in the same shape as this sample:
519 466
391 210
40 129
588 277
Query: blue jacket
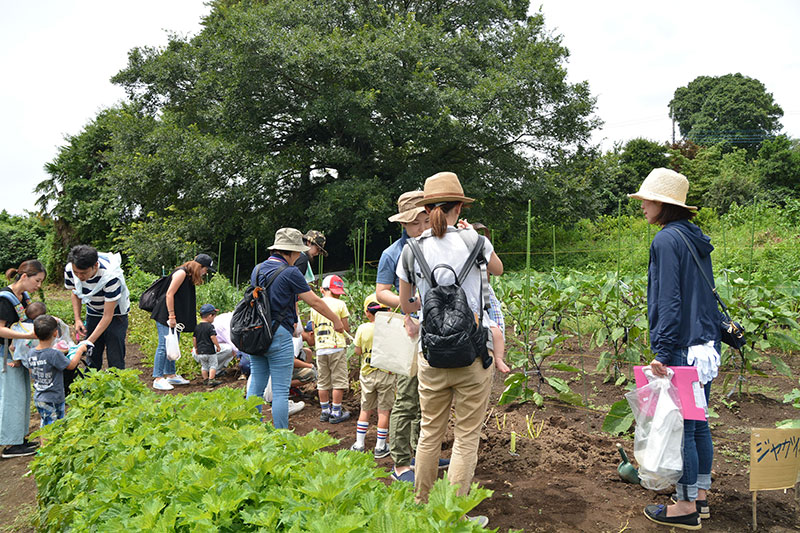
680 306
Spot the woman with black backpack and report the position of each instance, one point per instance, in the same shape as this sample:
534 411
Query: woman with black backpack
178 305
466 387
286 285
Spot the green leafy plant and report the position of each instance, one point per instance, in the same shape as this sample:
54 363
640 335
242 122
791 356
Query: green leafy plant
129 460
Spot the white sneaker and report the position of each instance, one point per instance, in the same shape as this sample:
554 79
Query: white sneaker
177 379
295 407
162 384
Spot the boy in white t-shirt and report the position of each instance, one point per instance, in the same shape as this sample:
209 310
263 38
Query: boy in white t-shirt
331 353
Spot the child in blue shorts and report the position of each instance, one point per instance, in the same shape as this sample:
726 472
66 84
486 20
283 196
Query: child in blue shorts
47 366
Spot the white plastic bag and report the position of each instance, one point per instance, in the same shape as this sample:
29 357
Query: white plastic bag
392 349
658 440
172 345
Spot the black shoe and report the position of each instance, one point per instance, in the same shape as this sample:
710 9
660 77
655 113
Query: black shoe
211 383
702 508
324 417
20 450
658 514
344 415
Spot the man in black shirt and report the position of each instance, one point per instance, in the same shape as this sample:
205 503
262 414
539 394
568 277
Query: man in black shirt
315 240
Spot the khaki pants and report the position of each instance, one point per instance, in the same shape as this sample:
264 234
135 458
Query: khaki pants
467 390
404 421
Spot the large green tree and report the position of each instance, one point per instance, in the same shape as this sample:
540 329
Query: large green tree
304 102
732 108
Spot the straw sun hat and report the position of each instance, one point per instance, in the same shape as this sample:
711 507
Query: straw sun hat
407 209
443 187
289 240
665 186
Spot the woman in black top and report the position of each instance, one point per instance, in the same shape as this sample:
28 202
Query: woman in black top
177 305
15 385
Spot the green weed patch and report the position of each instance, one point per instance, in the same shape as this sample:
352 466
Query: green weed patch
125 459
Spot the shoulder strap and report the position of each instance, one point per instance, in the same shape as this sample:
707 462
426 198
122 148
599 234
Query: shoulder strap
11 297
417 255
274 275
700 268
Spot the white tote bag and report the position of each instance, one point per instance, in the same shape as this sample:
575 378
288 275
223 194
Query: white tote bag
171 343
392 349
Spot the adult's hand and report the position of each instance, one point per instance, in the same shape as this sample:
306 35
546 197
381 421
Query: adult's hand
80 330
172 322
412 326
659 368
338 325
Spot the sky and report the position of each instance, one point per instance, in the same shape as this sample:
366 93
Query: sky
57 57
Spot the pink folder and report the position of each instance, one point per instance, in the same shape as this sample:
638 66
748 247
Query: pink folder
683 379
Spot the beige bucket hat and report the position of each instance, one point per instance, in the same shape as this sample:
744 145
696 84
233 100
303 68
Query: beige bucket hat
290 240
407 209
665 186
443 187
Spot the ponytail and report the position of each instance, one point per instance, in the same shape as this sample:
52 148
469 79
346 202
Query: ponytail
30 268
438 216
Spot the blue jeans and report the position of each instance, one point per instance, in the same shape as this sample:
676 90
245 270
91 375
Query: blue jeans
278 363
698 449
161 365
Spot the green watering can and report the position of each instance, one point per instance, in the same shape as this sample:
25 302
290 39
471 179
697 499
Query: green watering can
626 470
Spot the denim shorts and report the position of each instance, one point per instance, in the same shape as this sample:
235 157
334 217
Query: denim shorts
50 412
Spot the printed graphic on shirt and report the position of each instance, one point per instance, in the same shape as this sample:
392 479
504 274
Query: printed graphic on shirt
325 337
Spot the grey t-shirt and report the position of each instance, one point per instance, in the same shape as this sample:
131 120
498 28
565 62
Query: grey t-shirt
47 373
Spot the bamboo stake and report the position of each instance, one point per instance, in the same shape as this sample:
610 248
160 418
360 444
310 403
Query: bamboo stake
255 252
755 505
752 241
219 257
233 272
364 255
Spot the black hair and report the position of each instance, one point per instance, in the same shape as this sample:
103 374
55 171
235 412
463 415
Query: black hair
83 256
35 309
30 268
671 213
44 326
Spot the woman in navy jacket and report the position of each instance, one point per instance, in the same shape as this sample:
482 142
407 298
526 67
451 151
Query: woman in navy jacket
684 329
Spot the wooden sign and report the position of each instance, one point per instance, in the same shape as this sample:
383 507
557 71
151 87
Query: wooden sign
774 458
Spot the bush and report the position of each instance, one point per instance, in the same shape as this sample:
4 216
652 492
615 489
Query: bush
126 459
219 292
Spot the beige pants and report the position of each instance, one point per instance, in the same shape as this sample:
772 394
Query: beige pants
467 390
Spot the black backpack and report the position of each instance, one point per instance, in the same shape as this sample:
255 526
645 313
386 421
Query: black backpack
451 337
149 298
251 324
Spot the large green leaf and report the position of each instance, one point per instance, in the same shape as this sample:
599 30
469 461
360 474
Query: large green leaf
619 419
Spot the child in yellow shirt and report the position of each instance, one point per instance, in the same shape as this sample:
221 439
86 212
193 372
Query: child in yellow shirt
331 353
377 386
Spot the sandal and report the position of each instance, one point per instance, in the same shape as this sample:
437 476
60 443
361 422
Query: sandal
658 514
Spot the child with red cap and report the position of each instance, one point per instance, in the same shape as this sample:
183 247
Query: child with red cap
331 353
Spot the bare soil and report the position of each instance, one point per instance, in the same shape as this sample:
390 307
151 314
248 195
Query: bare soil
563 480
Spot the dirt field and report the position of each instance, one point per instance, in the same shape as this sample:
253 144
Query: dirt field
565 479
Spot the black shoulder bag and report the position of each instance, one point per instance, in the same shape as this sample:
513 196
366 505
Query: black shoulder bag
732 332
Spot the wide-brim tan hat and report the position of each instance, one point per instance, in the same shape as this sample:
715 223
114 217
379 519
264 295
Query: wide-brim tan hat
289 240
665 186
443 187
407 210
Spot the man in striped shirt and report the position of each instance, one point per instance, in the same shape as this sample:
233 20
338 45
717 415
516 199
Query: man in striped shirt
97 281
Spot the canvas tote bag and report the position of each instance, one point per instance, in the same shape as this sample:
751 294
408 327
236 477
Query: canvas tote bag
392 349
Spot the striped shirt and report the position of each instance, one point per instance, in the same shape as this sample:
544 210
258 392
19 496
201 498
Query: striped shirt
111 292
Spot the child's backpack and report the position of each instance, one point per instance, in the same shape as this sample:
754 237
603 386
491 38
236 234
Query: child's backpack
251 323
451 336
149 298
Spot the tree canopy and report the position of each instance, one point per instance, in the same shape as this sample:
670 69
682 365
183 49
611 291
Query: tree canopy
731 108
316 114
